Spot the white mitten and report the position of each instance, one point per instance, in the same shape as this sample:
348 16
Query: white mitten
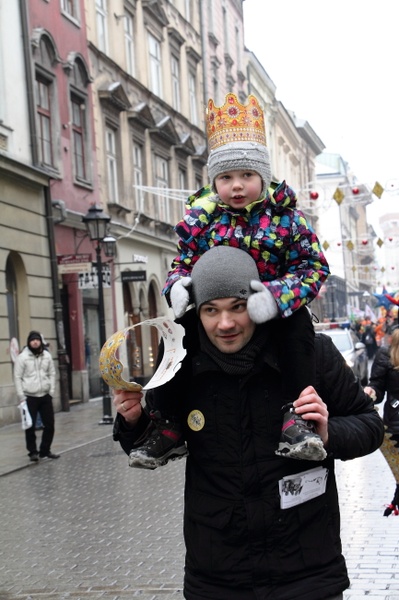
261 306
179 296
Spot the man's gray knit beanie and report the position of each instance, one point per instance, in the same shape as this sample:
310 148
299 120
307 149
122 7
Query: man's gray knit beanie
238 156
223 272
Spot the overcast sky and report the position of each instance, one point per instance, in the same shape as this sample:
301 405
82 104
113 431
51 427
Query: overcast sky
335 64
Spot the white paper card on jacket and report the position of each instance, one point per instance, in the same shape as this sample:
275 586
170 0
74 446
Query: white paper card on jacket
301 487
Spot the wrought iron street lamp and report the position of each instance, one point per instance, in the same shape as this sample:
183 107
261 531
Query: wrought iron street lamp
97 221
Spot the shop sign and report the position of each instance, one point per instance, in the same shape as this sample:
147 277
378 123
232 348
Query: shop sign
140 258
129 276
74 263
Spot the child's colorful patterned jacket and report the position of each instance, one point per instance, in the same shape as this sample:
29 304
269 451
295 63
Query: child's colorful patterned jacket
284 246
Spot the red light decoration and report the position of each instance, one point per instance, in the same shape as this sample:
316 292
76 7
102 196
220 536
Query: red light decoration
365 242
355 191
313 195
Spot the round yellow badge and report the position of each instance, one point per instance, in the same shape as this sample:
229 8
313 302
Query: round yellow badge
196 420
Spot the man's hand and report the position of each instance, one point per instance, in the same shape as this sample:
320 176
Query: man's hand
180 297
370 392
312 408
128 404
261 306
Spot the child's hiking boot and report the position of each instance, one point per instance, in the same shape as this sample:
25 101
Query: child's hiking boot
164 443
298 438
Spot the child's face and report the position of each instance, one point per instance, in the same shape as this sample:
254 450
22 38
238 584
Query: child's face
237 189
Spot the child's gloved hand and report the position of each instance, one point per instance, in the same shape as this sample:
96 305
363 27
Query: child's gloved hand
180 296
261 306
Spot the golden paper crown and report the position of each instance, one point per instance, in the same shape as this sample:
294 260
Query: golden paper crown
234 122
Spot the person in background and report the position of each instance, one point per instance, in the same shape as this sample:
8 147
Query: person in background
368 338
379 331
39 423
247 535
384 379
34 378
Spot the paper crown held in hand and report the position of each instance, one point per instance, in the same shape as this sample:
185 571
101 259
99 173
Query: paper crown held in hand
111 368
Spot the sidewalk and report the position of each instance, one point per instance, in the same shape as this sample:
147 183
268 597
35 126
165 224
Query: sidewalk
75 428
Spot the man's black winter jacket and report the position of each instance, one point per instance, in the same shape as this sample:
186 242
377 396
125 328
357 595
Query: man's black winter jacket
241 545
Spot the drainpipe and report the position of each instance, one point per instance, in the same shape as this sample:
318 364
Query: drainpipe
58 317
29 80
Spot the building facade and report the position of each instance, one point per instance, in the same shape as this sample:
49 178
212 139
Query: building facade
347 238
151 149
65 149
26 281
223 53
109 111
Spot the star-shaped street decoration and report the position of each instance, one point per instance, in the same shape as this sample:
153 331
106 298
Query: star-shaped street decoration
382 300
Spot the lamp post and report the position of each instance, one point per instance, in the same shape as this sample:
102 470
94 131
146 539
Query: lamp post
96 221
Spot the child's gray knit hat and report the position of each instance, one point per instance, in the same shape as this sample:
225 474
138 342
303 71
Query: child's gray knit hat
223 272
240 156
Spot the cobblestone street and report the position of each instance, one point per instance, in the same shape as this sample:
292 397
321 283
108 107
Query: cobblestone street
86 526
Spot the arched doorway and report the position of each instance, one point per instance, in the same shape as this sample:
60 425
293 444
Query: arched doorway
142 343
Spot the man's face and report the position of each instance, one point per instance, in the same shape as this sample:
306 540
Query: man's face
227 323
35 343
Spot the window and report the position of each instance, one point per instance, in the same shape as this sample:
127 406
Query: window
225 30
209 7
155 65
238 48
101 19
188 10
182 179
162 182
47 143
215 87
70 7
43 96
192 92
129 44
138 175
112 171
79 130
79 135
175 67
